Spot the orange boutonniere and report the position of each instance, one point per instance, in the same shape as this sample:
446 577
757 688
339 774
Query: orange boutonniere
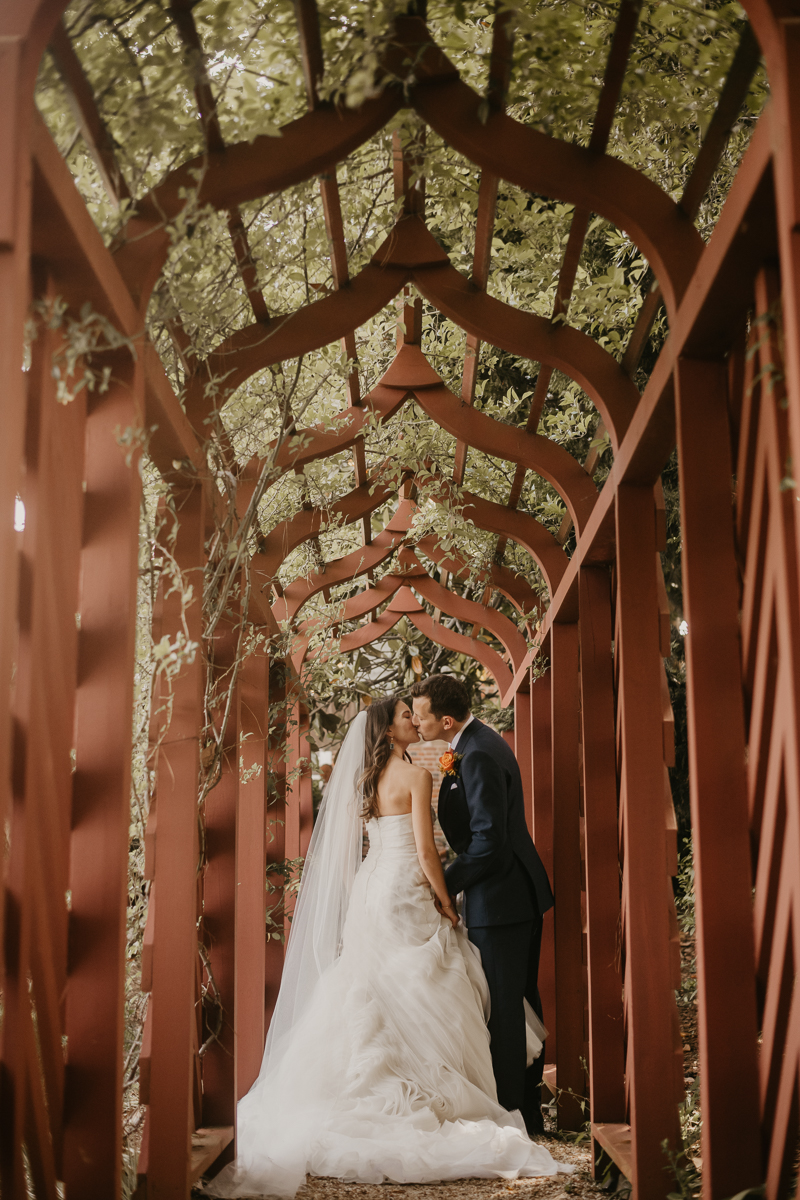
449 762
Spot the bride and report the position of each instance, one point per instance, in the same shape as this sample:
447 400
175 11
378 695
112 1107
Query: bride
377 1063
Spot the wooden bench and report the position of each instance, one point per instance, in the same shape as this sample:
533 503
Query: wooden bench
207 1145
616 1141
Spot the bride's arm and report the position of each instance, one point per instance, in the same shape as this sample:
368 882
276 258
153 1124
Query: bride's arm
426 846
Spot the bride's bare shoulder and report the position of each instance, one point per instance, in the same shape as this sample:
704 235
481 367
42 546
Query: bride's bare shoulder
417 774
407 771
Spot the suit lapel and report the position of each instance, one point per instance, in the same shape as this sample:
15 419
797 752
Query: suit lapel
467 736
446 790
450 782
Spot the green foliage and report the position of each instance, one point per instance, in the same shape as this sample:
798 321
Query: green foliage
577 1136
676 664
501 719
144 79
684 906
688 1178
685 1164
283 884
83 340
142 779
684 903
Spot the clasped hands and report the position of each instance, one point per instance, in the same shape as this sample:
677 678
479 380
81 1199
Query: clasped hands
447 910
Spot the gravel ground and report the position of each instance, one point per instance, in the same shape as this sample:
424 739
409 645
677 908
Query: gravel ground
560 1187
577 1186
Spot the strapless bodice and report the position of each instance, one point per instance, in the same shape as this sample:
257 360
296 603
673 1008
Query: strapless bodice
392 833
390 888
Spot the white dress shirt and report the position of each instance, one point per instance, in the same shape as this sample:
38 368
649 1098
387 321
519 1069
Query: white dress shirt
455 740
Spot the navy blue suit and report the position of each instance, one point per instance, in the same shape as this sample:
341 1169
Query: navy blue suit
506 893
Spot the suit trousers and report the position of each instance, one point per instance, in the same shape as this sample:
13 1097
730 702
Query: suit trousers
510 955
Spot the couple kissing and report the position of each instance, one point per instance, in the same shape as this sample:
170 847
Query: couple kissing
406 1043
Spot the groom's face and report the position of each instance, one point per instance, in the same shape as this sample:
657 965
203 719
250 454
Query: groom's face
430 728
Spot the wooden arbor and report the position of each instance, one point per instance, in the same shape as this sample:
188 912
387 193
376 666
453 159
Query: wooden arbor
592 735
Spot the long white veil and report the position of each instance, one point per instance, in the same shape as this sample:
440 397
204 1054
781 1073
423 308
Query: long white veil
333 858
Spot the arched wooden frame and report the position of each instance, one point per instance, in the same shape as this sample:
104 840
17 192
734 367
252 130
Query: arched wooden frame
500 146
397 590
403 602
411 255
484 514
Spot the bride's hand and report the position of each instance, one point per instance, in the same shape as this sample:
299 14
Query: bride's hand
447 910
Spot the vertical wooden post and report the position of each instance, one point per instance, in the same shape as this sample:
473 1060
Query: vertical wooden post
648 982
293 783
292 804
567 873
102 792
16 93
219 886
276 826
174 891
37 872
251 896
523 748
606 1032
305 795
54 572
542 833
727 1018
780 39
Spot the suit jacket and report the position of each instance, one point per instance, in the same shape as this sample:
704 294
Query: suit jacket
482 815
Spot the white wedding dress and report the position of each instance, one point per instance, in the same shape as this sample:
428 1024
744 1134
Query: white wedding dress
384 1071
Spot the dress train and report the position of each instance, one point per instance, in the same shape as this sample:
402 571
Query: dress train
387 1074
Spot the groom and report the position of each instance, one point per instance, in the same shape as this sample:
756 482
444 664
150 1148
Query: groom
505 886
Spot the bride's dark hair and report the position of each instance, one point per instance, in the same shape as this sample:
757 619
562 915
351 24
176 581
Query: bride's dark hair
377 750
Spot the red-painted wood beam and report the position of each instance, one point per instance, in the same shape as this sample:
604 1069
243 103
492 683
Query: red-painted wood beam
288 535
621 41
87 116
410 374
315 142
67 238
416 255
561 170
500 67
309 146
719 294
718 782
182 15
405 603
311 57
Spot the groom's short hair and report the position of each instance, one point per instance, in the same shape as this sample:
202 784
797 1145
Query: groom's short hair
448 696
